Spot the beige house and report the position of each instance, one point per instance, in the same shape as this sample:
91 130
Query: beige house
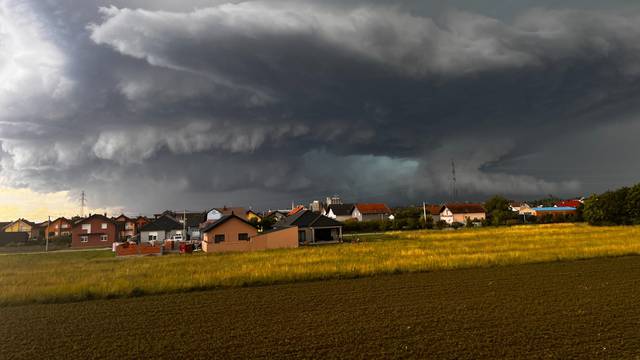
460 213
233 233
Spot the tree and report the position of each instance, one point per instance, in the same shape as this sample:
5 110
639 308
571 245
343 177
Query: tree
498 210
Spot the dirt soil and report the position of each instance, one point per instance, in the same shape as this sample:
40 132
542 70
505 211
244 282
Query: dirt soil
583 309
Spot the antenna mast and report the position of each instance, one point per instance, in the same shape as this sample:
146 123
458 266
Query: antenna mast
83 201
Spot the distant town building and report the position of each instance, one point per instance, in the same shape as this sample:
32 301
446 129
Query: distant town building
461 213
370 212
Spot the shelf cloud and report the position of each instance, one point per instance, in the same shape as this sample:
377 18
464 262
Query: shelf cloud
154 104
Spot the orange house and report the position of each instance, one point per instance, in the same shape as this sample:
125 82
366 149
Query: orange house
59 227
232 233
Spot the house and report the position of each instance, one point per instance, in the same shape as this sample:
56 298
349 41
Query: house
228 233
252 216
140 222
276 215
192 222
369 212
553 211
434 211
233 233
313 227
162 228
217 213
460 213
521 209
94 231
58 227
20 225
126 227
38 230
340 212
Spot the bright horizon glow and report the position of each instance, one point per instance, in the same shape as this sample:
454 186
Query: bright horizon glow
37 207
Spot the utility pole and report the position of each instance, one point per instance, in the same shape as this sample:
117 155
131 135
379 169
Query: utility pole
83 201
46 235
424 212
184 225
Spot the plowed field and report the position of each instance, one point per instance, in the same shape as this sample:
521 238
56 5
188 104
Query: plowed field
584 309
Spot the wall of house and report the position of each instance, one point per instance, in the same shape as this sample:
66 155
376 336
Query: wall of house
373 217
59 227
450 217
356 214
161 235
231 228
95 232
462 218
280 239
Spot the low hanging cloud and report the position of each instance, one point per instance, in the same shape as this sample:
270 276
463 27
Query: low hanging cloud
272 101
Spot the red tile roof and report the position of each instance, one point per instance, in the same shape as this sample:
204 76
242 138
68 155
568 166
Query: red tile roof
569 203
465 208
434 209
295 210
373 208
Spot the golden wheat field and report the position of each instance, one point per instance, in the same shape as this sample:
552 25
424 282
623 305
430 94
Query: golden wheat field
74 276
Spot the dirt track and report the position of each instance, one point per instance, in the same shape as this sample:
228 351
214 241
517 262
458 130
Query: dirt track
584 309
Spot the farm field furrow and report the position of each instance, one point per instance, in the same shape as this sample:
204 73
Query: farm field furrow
585 309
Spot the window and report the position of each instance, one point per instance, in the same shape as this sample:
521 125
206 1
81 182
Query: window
104 237
84 238
86 227
103 226
153 237
64 226
218 238
302 236
243 237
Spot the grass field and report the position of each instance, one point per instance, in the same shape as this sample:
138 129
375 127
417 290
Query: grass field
561 310
61 277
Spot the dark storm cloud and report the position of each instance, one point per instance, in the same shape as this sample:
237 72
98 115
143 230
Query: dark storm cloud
260 102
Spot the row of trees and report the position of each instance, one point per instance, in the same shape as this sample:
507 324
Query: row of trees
618 207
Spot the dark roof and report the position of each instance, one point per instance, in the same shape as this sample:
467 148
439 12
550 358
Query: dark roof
222 220
124 217
341 209
465 208
164 222
195 219
4 223
13 237
308 218
94 216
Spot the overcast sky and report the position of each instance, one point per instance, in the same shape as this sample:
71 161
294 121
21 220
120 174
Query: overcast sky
153 104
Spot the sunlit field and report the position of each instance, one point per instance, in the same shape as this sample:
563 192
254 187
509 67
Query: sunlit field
61 277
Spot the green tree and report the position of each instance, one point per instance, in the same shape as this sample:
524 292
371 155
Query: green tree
498 210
